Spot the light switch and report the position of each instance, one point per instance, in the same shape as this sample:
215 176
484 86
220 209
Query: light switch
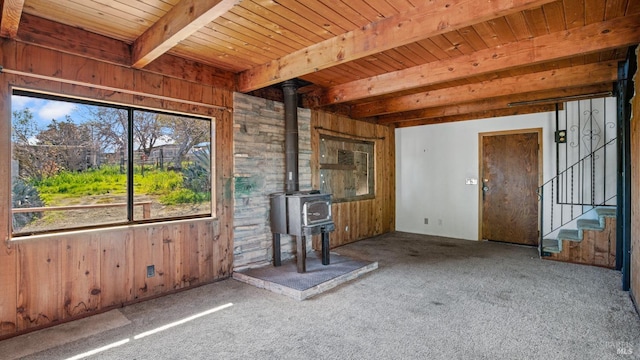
471 181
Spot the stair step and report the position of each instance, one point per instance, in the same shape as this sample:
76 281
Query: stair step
573 235
606 212
588 224
550 246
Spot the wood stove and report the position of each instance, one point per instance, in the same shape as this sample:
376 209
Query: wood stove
301 214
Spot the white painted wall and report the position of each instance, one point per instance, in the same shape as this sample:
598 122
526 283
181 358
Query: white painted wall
432 163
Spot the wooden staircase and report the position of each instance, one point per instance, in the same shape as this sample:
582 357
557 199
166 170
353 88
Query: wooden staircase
592 243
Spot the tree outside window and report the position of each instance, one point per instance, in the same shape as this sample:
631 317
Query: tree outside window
78 164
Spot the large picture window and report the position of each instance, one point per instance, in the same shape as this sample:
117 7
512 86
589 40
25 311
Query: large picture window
347 168
78 164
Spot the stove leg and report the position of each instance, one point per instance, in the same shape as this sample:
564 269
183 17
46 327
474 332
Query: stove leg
325 248
276 250
301 253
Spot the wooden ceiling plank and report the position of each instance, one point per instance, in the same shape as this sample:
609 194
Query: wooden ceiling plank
594 11
434 49
401 5
633 7
383 35
520 110
421 53
573 13
536 21
503 30
225 38
201 50
362 67
615 8
244 26
255 56
348 12
370 63
10 18
319 78
554 15
589 39
364 9
302 15
489 104
446 46
518 25
117 9
142 6
385 62
378 61
161 5
118 27
254 21
287 24
470 35
487 34
399 55
547 80
249 38
382 8
184 19
191 51
113 10
341 23
358 67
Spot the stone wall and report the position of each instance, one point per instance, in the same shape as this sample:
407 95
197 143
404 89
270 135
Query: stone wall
259 170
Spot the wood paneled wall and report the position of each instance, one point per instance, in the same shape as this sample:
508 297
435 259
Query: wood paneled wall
52 278
635 191
357 220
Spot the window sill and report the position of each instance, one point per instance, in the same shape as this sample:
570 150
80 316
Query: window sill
107 228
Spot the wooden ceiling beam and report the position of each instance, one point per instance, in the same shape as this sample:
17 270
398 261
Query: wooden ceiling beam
591 74
54 35
10 18
435 18
183 20
72 40
485 105
520 110
592 38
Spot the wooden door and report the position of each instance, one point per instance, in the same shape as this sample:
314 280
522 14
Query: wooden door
510 178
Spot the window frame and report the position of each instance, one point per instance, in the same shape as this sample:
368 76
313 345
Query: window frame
371 166
211 214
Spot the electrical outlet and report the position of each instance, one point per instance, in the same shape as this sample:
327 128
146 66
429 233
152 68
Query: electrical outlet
426 221
151 271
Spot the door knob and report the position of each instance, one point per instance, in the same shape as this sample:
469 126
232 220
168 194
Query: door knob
485 188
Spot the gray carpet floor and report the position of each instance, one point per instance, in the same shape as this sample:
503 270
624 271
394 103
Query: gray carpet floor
430 298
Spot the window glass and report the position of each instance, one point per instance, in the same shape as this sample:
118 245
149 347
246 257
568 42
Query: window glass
70 164
346 168
172 165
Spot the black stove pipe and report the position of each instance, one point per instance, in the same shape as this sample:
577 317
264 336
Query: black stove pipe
290 90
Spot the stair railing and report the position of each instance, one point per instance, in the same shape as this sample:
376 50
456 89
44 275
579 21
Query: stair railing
588 183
